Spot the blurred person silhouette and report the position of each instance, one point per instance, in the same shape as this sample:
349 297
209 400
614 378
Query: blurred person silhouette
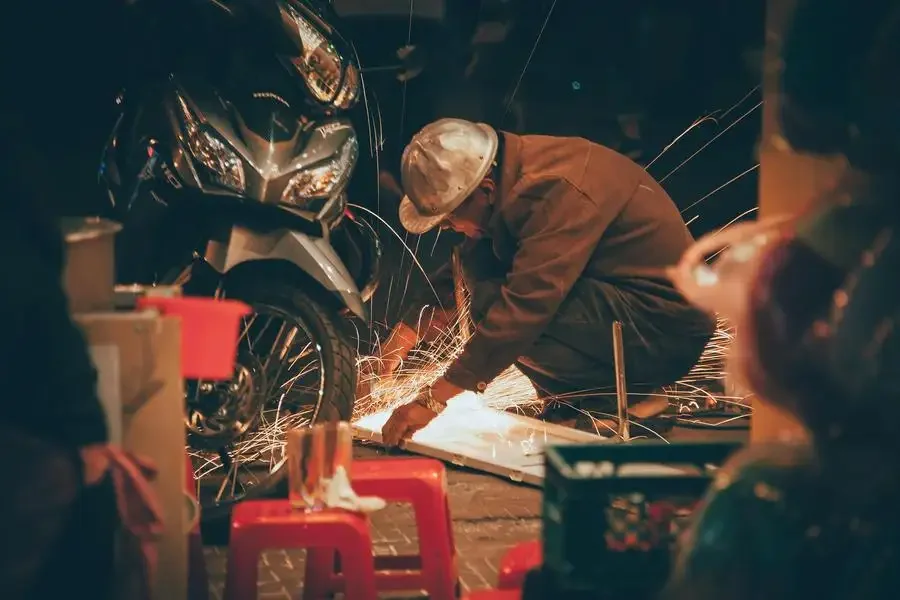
61 63
783 522
815 297
817 302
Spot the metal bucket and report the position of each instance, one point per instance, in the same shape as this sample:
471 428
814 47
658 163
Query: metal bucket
89 277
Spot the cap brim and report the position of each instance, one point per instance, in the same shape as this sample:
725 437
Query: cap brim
415 222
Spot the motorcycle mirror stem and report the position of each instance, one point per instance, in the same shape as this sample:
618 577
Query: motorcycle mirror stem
411 65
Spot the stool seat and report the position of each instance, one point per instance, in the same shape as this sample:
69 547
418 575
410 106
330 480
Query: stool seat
421 482
516 563
262 524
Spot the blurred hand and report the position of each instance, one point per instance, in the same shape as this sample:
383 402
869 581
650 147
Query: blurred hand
95 461
395 350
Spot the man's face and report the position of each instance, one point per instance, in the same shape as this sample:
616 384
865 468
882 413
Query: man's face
470 219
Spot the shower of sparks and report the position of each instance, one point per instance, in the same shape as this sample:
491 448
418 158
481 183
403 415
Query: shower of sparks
422 367
702 388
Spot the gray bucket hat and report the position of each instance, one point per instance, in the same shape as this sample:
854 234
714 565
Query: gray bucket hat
442 165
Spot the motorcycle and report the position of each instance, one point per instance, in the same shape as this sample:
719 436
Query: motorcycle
229 173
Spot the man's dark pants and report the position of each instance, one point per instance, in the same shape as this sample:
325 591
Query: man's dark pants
572 363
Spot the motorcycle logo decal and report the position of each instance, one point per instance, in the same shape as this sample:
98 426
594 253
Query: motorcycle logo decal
330 128
271 96
170 176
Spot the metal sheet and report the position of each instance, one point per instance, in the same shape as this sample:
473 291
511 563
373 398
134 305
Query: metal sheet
471 435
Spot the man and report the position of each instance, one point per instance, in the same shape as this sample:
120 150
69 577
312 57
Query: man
564 237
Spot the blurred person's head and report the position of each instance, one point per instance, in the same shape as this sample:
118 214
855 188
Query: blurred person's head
821 324
446 173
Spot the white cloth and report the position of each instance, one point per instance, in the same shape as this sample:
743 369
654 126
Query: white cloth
339 494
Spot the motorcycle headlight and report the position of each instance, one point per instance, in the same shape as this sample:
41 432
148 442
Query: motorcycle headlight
349 93
320 188
321 65
221 164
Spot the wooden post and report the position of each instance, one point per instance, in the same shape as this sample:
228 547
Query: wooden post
789 183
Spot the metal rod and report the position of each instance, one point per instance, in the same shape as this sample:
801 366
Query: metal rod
621 388
459 293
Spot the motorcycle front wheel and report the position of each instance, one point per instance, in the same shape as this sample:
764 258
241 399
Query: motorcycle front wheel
295 367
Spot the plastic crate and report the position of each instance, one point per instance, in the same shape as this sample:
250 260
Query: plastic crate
612 512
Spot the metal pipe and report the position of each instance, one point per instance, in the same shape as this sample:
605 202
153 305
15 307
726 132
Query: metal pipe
621 389
459 294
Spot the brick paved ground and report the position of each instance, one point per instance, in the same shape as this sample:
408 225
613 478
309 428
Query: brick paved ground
489 516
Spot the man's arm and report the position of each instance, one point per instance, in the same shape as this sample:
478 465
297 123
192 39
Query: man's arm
555 245
431 308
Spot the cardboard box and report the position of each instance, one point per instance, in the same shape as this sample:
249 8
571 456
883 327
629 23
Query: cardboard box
138 359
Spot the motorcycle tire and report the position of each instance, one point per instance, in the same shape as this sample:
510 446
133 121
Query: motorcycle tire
337 353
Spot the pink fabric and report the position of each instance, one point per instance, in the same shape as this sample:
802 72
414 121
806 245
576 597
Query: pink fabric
138 507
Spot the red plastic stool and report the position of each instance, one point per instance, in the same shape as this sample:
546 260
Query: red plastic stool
516 563
261 524
198 579
494 595
422 483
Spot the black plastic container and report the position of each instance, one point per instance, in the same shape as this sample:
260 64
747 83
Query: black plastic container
612 512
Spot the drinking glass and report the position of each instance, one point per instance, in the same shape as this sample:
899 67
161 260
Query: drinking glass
338 449
306 467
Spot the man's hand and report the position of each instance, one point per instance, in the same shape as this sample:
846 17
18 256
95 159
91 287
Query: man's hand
409 418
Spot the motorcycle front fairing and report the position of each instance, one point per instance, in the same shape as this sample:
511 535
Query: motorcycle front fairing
313 254
252 147
236 136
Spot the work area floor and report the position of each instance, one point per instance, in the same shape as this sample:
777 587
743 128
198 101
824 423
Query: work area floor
489 514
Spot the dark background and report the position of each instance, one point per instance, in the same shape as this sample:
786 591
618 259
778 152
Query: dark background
668 63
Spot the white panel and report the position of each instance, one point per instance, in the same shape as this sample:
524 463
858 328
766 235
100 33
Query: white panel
471 435
106 361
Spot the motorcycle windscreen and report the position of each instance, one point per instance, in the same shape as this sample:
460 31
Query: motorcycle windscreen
286 157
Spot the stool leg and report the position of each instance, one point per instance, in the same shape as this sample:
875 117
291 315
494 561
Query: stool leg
242 571
319 580
360 581
438 552
198 579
